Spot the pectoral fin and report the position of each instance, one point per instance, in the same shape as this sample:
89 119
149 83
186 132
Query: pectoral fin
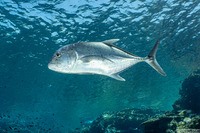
117 77
89 58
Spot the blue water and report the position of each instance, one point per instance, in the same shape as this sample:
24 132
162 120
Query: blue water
34 98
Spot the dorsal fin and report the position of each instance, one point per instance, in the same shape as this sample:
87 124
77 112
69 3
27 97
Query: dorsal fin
110 43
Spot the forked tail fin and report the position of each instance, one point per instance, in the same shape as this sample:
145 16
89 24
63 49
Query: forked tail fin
151 59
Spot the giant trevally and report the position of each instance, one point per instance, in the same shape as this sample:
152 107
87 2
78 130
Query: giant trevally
102 58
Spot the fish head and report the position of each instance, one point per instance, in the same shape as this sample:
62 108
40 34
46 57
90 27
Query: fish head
63 60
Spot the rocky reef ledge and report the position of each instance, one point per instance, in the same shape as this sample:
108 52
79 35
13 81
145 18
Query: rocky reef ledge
174 122
128 121
190 94
144 121
184 118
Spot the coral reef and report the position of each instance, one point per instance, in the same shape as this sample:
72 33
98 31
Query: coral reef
143 121
190 94
173 122
127 121
184 118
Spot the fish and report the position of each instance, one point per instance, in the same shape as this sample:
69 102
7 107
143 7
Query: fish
102 58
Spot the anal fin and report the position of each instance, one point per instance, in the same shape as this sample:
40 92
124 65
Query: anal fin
117 77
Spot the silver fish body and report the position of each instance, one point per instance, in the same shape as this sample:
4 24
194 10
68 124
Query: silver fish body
98 58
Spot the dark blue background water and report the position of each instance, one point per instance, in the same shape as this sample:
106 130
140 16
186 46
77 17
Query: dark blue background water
31 31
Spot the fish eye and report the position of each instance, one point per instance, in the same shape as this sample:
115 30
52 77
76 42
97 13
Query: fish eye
58 55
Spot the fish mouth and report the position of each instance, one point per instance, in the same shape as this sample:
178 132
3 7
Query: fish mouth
51 65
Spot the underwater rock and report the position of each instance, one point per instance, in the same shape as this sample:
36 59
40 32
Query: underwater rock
144 121
190 94
126 121
185 118
173 123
